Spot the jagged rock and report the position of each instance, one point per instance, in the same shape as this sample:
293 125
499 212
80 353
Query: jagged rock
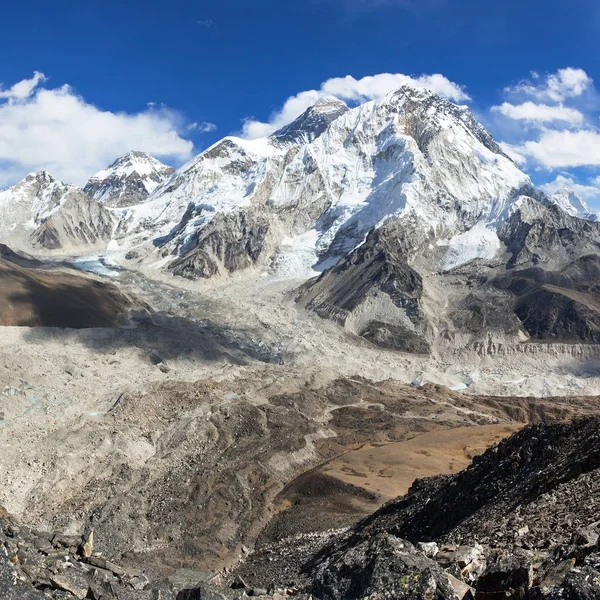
461 589
71 581
381 566
579 584
208 591
87 545
429 549
9 588
506 572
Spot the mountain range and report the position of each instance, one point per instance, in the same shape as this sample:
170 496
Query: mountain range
409 224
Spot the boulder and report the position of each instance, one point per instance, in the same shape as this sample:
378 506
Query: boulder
381 562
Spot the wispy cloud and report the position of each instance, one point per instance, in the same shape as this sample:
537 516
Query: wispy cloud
203 127
565 83
540 113
208 24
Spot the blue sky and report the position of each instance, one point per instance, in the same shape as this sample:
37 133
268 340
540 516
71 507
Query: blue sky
173 77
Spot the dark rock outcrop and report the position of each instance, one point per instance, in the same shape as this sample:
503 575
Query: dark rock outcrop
377 270
229 243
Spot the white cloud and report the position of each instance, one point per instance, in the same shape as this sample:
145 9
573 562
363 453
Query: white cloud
23 89
57 130
513 152
589 193
539 113
203 127
565 83
560 149
354 90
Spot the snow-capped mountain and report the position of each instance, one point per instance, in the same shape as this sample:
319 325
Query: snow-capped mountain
42 212
423 230
571 203
129 180
312 123
312 191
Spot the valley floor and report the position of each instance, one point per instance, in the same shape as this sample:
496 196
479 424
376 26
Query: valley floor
212 414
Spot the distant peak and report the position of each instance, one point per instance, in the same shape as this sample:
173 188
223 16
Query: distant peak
328 103
134 156
312 122
40 177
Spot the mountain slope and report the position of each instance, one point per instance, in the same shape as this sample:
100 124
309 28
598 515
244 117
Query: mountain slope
571 203
44 213
339 174
129 180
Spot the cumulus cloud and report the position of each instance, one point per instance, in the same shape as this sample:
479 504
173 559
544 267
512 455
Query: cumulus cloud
539 113
589 192
560 149
203 127
23 89
352 90
565 83
57 130
562 130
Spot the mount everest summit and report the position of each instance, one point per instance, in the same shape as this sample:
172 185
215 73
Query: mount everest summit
395 203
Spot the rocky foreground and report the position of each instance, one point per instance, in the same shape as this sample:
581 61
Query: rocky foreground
520 522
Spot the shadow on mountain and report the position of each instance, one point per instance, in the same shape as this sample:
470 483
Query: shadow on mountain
161 338
557 306
69 307
31 297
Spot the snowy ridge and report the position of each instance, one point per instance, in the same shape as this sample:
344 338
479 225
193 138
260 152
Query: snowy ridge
42 212
571 203
129 180
32 200
340 173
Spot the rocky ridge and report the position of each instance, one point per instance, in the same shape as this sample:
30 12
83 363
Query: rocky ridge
129 180
520 522
43 213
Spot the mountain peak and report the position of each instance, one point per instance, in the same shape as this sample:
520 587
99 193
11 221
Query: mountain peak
312 122
571 203
136 157
41 177
128 180
328 103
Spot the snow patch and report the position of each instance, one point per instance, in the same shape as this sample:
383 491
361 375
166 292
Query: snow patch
478 242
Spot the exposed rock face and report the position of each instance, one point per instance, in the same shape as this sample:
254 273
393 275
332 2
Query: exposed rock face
381 566
41 212
563 305
129 180
326 180
78 221
312 123
374 292
230 243
538 233
542 288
